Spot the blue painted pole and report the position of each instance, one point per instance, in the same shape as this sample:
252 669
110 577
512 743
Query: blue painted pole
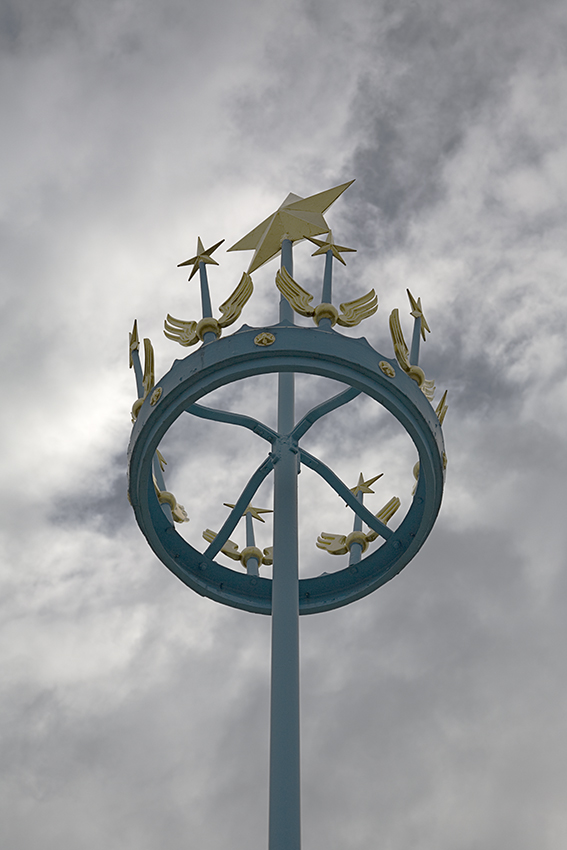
138 372
414 353
252 566
327 294
206 300
356 548
285 807
205 294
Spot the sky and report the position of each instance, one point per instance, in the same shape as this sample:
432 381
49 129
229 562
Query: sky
135 714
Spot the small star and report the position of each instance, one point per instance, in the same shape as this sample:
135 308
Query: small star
364 486
297 218
202 256
417 312
254 512
329 245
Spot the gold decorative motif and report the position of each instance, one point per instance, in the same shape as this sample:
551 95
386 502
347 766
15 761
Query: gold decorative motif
230 549
326 311
254 512
156 395
202 256
178 512
352 312
387 368
264 339
208 325
442 408
297 296
148 379
133 341
402 356
234 304
385 514
417 313
329 245
363 486
188 333
334 544
444 461
297 218
416 476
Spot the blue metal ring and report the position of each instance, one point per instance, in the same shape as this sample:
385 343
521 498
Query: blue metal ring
295 349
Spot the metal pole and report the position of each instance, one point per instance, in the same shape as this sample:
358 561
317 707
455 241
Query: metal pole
285 811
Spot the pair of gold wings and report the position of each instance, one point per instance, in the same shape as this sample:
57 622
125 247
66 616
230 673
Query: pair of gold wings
351 312
187 333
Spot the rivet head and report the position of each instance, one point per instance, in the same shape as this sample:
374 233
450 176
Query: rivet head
254 582
264 339
203 567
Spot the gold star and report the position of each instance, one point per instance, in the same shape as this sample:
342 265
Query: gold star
202 256
297 218
255 512
329 245
417 312
364 486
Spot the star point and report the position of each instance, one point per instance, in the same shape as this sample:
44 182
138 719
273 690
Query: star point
363 486
297 218
329 245
202 256
417 313
254 512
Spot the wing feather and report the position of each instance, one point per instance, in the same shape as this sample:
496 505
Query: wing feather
384 514
297 296
353 312
230 548
334 544
400 347
232 307
185 333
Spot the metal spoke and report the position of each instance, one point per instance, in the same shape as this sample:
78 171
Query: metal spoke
233 419
242 503
321 410
335 482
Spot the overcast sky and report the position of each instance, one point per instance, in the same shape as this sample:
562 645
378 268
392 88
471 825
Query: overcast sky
134 712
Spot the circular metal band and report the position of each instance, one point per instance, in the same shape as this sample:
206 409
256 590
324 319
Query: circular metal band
295 349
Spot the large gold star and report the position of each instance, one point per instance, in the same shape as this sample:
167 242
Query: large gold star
297 218
364 486
417 312
255 512
329 245
202 256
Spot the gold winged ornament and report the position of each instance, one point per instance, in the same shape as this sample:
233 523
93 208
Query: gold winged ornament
231 550
189 333
402 356
149 371
339 544
351 312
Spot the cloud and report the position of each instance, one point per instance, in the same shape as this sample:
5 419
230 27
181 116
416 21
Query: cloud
136 713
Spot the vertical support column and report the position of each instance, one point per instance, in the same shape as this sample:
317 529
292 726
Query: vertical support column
285 809
414 351
356 548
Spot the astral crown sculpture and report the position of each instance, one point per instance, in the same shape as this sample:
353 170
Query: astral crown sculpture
398 384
